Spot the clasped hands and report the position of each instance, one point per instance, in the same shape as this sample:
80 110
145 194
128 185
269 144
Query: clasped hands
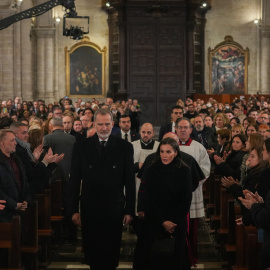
229 181
169 226
250 198
22 206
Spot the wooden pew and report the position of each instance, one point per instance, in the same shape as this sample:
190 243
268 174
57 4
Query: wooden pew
10 238
226 212
252 248
215 218
30 246
45 231
235 250
57 217
210 194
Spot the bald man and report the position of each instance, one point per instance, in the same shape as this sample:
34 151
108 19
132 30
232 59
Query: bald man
142 148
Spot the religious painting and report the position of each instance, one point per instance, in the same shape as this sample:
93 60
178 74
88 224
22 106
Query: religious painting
85 70
228 68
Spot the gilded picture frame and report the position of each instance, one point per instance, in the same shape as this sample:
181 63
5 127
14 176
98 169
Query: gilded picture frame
228 68
85 70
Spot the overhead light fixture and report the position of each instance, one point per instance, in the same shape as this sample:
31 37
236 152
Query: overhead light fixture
256 21
19 2
204 4
108 4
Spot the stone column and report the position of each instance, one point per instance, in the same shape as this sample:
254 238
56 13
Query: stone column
45 63
40 64
265 47
27 54
6 58
49 66
265 60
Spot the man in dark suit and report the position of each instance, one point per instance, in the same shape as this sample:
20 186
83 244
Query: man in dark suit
177 112
61 142
204 135
104 165
14 188
125 131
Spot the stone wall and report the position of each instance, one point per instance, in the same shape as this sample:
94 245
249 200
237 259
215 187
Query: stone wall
32 52
33 64
98 34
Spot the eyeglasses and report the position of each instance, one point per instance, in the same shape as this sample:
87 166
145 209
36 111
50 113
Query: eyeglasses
178 112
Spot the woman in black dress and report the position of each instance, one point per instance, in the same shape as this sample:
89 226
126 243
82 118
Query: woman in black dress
168 199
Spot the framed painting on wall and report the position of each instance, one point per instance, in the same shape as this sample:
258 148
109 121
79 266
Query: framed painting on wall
228 63
85 70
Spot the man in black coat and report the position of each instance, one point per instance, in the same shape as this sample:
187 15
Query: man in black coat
14 188
176 112
104 165
37 172
204 135
125 131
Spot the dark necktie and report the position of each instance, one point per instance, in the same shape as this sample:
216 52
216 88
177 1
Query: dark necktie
126 137
102 143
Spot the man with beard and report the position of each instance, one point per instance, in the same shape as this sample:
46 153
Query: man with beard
104 165
142 148
204 135
125 131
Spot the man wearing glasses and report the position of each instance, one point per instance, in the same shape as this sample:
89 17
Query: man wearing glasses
177 112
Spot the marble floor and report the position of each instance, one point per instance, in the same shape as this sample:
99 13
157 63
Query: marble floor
71 257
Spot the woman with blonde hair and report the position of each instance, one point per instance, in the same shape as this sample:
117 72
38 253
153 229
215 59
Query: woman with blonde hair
35 138
237 129
221 121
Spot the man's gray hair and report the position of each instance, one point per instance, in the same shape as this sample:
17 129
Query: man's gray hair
102 112
15 125
183 118
4 132
57 122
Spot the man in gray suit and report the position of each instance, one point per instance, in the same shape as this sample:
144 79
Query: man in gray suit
61 142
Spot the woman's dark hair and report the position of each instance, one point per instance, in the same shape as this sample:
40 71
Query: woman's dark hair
267 145
242 137
5 122
252 125
88 109
79 111
224 134
173 143
250 120
236 120
256 140
262 163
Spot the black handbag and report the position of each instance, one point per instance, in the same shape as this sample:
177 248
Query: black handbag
164 246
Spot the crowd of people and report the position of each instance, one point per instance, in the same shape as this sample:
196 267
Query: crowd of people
115 173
